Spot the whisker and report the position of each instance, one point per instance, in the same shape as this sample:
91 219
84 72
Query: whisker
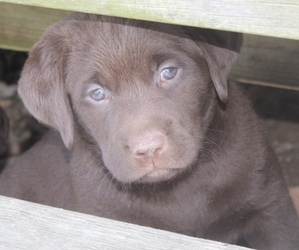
101 183
211 153
214 143
218 130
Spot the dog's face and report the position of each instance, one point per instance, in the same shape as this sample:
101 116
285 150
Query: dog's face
144 93
144 102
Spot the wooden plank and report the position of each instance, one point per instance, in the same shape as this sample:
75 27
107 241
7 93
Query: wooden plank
279 18
268 61
26 225
21 26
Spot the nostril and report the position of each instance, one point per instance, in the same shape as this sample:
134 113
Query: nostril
148 146
149 152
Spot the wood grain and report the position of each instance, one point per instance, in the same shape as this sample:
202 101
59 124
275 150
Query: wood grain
25 225
269 62
21 26
277 18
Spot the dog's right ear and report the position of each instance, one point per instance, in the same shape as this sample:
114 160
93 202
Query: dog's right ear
42 83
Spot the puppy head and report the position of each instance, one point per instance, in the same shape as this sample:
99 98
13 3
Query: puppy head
141 91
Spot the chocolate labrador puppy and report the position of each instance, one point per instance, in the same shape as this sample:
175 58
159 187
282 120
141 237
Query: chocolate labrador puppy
150 132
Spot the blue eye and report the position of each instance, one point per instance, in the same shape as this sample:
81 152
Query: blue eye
168 73
98 94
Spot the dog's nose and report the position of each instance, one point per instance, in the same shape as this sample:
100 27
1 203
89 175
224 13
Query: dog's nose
148 146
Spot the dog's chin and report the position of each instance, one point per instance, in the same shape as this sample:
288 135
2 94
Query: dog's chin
159 175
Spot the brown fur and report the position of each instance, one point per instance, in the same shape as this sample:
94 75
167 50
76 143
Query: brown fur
185 154
4 132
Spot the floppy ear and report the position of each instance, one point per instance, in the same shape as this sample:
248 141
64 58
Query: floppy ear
220 49
42 84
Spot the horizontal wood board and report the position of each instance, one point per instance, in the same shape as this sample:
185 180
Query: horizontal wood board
277 18
25 225
268 61
21 26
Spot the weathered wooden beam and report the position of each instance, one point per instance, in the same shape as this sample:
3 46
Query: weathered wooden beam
277 18
25 225
21 26
269 62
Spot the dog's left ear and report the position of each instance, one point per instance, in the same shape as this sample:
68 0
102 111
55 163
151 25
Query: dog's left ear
42 83
220 49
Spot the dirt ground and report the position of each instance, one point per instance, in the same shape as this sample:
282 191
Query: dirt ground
278 108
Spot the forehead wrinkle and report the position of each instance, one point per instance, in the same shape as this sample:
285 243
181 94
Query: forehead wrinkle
122 53
119 69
